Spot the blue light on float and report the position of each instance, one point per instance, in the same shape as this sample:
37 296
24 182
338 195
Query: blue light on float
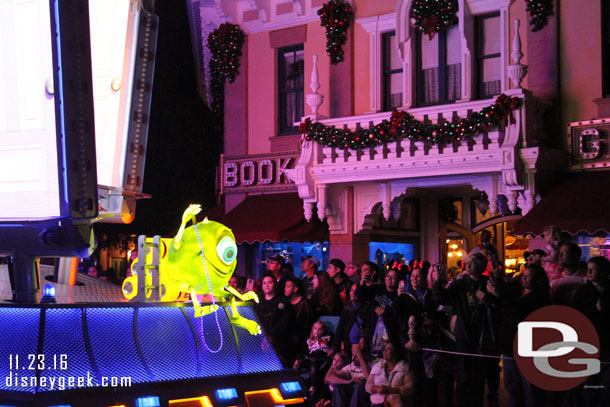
49 291
148 401
290 387
226 394
48 294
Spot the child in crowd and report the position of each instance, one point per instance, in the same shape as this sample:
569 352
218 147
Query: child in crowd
317 341
317 359
552 236
340 360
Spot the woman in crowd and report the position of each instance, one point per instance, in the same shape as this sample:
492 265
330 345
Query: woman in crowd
423 325
354 325
272 314
325 299
390 382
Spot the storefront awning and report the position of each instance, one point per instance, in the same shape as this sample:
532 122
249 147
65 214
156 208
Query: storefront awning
578 204
274 218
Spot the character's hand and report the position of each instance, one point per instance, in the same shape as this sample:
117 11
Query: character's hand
250 295
356 349
208 309
190 213
481 295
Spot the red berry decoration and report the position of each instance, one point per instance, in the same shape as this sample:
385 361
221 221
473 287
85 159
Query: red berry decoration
402 125
336 16
225 45
431 16
540 10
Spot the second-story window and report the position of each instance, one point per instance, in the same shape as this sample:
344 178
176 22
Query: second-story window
291 87
605 22
392 73
439 68
488 55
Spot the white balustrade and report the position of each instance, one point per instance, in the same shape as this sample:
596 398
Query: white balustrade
406 149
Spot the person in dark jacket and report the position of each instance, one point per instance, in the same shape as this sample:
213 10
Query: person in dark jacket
474 330
300 318
354 324
383 299
593 300
517 299
272 314
336 273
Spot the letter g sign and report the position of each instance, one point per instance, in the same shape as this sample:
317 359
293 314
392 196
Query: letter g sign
552 334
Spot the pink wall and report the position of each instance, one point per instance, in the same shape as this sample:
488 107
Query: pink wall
262 121
362 79
367 8
580 60
236 110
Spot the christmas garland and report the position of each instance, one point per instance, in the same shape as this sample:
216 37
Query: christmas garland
404 126
540 10
336 16
431 16
225 45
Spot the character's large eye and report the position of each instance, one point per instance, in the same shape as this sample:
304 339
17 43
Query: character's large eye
226 249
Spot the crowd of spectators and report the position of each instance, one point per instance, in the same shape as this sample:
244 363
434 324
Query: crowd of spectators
416 335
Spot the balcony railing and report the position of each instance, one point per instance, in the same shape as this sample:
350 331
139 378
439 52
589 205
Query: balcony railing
405 149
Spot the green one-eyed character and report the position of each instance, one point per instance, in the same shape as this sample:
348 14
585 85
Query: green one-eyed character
201 260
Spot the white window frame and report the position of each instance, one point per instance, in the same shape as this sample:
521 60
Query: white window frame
376 26
406 41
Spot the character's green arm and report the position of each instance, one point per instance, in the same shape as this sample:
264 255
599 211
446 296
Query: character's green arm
189 214
250 295
238 320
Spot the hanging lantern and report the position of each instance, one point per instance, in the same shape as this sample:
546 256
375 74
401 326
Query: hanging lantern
483 203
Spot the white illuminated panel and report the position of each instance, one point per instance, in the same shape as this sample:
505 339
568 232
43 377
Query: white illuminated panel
3 84
29 186
109 27
22 169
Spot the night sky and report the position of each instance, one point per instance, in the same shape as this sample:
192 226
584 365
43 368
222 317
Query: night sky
183 145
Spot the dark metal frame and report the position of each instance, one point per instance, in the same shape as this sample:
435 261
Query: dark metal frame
479 41
442 70
284 93
605 23
387 72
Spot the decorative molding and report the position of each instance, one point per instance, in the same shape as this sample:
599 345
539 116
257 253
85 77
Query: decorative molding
336 212
314 100
487 6
366 196
375 26
517 71
321 199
